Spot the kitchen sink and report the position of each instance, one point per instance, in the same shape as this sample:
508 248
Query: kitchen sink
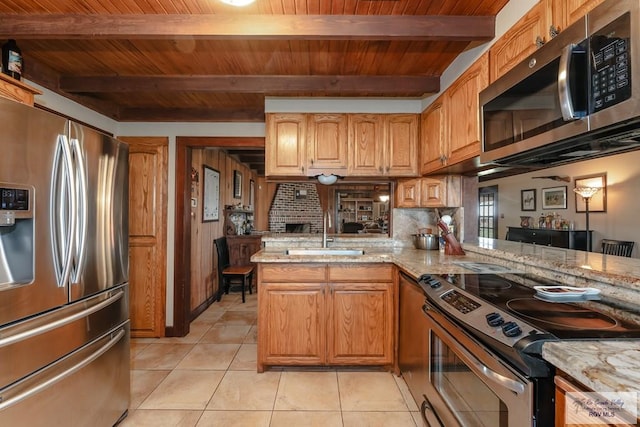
324 251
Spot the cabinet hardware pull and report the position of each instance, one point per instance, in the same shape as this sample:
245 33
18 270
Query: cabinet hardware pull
539 42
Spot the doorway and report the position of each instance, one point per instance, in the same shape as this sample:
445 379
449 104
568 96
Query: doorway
488 212
182 315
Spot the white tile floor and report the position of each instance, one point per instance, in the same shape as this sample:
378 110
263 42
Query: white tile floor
209 378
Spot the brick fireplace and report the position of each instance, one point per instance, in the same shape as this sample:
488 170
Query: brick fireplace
296 203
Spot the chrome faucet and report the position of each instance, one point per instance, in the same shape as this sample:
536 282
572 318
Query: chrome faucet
326 219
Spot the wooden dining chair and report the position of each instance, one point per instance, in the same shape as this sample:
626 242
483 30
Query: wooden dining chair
228 274
617 247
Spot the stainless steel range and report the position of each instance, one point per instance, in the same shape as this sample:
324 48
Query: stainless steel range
478 359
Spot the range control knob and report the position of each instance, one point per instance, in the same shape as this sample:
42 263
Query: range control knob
424 278
434 283
494 319
511 329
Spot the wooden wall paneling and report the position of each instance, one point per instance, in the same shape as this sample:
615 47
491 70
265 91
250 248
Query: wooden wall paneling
204 285
147 234
184 247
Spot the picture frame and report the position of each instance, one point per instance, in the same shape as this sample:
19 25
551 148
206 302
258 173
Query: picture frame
598 202
237 184
528 199
210 194
554 197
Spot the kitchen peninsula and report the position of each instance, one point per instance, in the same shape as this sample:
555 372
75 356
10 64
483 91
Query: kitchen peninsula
617 278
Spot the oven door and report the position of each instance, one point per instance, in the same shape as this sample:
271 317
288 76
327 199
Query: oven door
468 386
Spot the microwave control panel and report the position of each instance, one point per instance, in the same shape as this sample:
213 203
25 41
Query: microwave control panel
611 64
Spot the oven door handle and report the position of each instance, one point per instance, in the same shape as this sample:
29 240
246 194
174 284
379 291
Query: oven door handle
513 385
427 406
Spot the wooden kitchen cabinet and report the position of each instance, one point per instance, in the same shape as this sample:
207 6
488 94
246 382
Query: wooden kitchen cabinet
16 90
408 194
430 192
535 28
361 324
463 112
433 137
242 247
325 314
520 40
285 148
441 191
569 11
366 142
566 384
327 144
401 145
451 131
383 144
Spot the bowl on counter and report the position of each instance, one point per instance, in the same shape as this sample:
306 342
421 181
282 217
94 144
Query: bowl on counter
426 241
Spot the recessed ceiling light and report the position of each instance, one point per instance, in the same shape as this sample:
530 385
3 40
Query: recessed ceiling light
238 2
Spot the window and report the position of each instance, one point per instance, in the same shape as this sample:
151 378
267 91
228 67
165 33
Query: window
488 212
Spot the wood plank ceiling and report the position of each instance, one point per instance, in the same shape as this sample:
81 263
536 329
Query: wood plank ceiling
202 60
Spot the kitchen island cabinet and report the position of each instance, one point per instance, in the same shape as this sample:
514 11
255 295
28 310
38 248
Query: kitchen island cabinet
326 314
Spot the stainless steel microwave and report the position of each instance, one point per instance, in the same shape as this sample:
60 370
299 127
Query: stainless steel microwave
576 97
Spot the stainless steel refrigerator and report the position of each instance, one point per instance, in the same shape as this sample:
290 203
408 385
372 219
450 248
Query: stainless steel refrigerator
64 314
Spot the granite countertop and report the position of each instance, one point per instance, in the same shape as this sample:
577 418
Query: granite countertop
601 365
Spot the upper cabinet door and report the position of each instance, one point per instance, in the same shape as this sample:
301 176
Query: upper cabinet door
366 142
520 40
285 144
402 145
464 112
327 146
433 140
572 10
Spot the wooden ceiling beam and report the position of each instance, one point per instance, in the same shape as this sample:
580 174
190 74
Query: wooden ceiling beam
128 114
418 85
256 27
48 78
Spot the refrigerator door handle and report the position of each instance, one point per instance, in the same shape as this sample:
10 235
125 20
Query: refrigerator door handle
21 336
67 372
62 204
81 210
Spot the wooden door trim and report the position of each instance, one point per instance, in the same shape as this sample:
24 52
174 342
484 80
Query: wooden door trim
182 240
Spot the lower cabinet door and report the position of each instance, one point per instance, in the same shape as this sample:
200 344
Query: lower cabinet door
291 327
360 324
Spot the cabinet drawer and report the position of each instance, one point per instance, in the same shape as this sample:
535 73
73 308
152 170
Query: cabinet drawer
360 272
293 273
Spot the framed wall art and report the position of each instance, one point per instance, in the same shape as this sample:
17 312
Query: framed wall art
211 195
237 184
528 200
598 202
554 197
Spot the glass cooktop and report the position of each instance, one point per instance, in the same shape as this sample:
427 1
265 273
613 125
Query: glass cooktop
564 320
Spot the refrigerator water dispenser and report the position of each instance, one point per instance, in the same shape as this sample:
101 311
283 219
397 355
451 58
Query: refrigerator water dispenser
16 235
